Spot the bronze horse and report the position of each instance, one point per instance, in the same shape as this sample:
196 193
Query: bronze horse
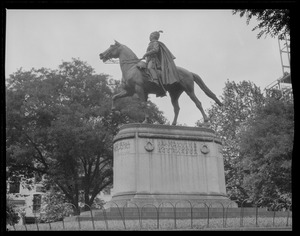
135 81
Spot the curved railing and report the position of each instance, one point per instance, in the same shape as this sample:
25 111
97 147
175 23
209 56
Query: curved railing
196 214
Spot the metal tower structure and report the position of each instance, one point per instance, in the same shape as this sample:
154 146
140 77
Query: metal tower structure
283 84
284 49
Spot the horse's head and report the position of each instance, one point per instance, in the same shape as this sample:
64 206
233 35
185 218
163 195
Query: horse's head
111 52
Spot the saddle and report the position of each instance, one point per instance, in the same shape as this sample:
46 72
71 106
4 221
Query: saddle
142 66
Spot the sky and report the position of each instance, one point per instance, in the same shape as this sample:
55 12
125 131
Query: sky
215 44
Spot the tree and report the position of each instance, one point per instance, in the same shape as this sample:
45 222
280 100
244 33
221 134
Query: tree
273 22
240 101
266 147
59 124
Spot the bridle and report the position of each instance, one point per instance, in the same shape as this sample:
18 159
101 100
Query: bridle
108 54
111 61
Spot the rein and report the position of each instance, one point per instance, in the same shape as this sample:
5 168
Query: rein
112 61
131 61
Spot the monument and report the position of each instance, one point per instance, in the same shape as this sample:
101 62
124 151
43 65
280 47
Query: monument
154 164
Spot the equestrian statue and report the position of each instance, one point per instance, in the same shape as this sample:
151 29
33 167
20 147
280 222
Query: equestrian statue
157 75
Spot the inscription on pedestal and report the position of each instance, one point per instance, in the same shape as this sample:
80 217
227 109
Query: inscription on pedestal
121 146
176 147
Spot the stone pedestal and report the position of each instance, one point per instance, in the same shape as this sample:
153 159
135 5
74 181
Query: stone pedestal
171 164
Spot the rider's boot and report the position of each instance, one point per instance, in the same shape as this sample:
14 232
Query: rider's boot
163 90
154 77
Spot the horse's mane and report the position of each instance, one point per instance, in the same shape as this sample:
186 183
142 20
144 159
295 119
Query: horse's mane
128 49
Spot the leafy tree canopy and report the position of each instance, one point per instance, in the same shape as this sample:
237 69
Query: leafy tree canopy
273 22
240 102
60 125
257 134
266 147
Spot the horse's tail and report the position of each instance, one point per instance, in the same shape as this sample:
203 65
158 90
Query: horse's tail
205 89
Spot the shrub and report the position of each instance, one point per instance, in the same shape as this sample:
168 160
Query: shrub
12 216
98 203
54 207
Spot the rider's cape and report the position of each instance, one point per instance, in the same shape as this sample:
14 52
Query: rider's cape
169 71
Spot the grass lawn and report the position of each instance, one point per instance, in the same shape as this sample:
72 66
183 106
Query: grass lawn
164 224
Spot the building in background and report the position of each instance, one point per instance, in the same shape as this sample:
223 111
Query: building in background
29 199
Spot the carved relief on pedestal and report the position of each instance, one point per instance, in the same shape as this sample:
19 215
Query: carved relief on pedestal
204 149
122 146
149 145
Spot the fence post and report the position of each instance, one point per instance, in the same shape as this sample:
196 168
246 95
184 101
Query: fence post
227 213
74 209
14 226
242 212
276 206
105 218
272 201
288 209
174 210
63 223
24 221
122 217
91 214
287 219
256 216
137 209
35 220
208 217
198 203
104 214
191 216
191 209
222 208
157 214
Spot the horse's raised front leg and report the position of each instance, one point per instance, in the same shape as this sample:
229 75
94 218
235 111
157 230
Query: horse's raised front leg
119 95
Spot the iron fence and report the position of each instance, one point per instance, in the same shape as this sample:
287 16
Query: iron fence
193 216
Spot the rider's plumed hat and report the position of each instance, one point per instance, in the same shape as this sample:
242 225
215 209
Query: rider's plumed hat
156 34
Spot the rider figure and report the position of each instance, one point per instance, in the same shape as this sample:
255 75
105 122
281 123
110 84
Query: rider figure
160 60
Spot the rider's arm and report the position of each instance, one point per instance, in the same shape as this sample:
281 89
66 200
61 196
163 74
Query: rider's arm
155 49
